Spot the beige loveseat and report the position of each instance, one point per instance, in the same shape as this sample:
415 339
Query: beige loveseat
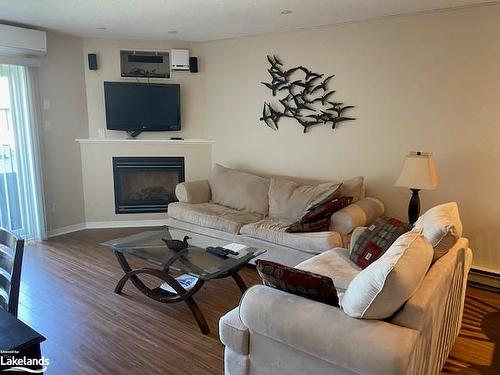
274 332
255 211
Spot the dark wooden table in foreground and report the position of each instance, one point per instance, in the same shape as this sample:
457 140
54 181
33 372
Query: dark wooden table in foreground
17 341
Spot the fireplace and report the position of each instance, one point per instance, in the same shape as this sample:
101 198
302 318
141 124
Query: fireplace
146 184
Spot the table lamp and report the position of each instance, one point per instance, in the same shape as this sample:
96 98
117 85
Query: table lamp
418 173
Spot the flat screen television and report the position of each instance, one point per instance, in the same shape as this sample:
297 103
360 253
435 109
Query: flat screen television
138 107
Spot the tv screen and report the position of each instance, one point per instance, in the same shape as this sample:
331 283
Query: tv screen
136 107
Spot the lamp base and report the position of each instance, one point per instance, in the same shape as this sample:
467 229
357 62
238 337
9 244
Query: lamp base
414 206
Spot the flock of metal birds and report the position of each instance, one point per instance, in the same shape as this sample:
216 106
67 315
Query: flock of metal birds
302 99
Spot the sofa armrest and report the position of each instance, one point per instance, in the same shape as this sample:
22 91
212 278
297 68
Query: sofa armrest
326 332
233 333
193 191
359 214
427 305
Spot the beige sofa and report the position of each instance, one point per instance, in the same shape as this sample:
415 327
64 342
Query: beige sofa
255 211
274 332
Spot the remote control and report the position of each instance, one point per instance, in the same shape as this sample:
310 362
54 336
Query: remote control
220 251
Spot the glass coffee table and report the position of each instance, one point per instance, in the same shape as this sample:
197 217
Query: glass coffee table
194 265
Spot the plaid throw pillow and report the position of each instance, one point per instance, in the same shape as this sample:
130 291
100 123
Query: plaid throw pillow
317 219
302 283
376 239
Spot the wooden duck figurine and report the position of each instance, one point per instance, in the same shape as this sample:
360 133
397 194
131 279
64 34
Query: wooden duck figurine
177 245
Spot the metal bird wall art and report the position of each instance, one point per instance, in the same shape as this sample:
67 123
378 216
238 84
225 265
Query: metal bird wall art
305 99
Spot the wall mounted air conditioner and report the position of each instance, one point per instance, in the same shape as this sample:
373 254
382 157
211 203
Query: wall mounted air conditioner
20 41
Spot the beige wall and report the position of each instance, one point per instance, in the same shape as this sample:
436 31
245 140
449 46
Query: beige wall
62 86
108 51
97 167
428 82
425 82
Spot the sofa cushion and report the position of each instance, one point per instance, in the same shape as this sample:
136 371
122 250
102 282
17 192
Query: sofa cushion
289 200
299 282
334 263
212 215
275 231
442 227
376 239
239 190
355 188
384 286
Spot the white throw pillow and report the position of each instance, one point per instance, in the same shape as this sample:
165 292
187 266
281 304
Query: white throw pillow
289 200
355 188
384 286
442 227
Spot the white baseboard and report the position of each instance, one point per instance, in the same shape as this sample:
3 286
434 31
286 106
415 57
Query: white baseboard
125 224
66 230
106 224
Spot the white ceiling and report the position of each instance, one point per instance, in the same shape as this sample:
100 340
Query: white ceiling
202 20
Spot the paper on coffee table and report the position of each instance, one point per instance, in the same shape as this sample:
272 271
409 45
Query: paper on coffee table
186 281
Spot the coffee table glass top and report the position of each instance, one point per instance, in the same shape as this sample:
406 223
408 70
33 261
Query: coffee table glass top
148 245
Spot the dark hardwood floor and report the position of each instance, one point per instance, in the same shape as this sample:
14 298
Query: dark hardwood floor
67 295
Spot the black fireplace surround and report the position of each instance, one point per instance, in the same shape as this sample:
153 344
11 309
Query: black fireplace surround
146 184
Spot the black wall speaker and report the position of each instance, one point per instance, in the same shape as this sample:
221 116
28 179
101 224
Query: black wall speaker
92 61
193 64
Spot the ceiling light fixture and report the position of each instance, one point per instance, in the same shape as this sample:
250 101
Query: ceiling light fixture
286 11
101 28
173 32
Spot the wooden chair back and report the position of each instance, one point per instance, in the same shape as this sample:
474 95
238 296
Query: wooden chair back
11 257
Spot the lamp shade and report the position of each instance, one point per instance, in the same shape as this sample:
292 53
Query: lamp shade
419 172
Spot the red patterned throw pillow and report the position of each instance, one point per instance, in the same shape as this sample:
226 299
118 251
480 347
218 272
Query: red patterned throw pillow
302 283
320 225
317 219
376 239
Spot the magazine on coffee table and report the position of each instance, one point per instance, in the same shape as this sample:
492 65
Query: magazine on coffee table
186 281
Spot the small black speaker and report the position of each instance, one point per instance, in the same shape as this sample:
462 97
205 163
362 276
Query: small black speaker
193 64
92 61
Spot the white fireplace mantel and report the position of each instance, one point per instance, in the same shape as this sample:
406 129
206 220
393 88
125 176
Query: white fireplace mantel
130 141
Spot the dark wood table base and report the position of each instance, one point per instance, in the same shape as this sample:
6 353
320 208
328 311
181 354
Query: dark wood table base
163 296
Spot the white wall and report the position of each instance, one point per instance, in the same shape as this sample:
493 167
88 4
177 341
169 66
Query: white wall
62 86
428 82
108 52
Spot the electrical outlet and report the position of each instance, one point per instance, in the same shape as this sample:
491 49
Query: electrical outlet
47 126
46 104
55 207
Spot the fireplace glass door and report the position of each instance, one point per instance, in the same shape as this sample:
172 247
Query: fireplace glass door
146 184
